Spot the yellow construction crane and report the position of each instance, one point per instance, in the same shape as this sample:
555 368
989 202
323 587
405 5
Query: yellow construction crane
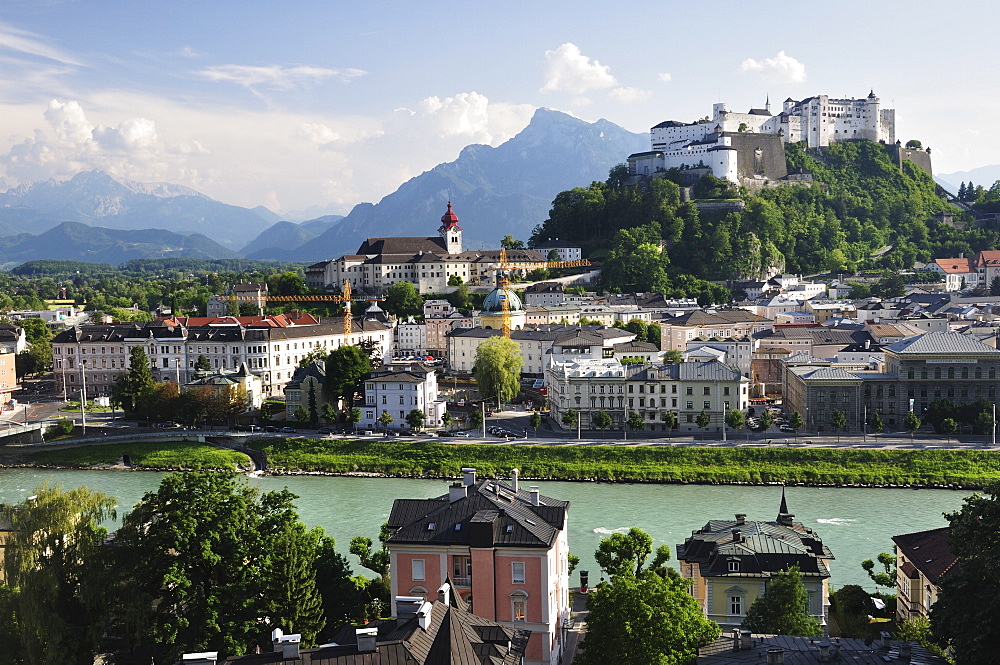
503 280
345 298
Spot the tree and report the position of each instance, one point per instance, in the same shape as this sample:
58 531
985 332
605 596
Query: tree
766 420
914 144
498 369
535 421
892 286
353 416
626 553
375 560
52 563
642 620
459 298
346 366
446 419
402 299
476 419
859 291
317 355
570 418
454 280
782 608
202 364
736 420
995 286
948 427
416 419
329 413
672 357
912 423
636 422
300 414
669 419
838 421
343 599
703 421
876 423
964 614
853 606
385 420
313 410
795 421
206 547
601 420
130 390
886 578
509 242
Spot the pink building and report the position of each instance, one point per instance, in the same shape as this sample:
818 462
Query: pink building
503 549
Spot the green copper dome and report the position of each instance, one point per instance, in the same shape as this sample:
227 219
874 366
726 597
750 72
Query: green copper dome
493 303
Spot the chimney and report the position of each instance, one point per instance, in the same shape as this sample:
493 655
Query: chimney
886 640
287 645
203 658
836 650
535 501
775 657
741 518
513 479
424 615
457 491
905 651
366 639
786 519
824 652
468 476
406 608
737 536
745 640
444 593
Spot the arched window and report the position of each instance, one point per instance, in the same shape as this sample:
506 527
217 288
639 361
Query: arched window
923 373
519 606
909 373
979 372
951 372
937 372
993 373
965 372
418 591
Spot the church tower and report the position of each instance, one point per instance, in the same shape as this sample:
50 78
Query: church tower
451 232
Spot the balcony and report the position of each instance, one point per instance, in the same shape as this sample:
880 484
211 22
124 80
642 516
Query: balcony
464 580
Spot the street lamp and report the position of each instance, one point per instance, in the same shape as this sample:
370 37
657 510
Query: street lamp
83 397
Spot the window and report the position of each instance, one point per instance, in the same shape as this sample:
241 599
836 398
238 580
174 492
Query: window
418 569
690 404
519 607
734 566
690 390
736 605
708 391
517 572
708 405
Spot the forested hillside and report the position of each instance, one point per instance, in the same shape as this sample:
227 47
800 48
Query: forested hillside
861 211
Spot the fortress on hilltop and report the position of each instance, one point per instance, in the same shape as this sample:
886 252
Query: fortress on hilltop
745 148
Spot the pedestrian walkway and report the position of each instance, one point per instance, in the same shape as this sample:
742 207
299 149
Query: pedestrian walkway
577 626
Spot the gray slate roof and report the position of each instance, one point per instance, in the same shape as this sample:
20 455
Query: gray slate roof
515 521
941 343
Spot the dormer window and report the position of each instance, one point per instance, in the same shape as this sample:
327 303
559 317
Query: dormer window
734 566
431 525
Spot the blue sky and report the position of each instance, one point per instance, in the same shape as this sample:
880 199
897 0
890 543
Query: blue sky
299 104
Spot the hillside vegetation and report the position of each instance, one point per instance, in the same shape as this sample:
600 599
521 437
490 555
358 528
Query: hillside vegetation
860 202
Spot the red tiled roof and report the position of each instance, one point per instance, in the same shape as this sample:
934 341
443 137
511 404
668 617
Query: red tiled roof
928 551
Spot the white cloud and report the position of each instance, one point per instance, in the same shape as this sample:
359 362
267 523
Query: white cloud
28 43
664 77
568 70
581 101
627 95
782 68
276 77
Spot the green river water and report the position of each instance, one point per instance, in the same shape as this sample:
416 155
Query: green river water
856 523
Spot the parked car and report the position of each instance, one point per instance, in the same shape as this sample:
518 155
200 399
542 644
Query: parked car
787 429
270 428
288 430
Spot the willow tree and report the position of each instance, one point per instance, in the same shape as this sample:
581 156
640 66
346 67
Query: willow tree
52 563
498 369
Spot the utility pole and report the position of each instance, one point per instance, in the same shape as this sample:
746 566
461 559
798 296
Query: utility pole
625 422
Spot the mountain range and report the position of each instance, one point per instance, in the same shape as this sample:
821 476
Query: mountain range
496 191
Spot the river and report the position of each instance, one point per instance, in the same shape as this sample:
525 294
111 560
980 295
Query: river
856 523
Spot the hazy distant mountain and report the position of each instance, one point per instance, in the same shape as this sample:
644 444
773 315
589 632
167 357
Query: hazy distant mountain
100 199
495 191
279 241
983 175
79 242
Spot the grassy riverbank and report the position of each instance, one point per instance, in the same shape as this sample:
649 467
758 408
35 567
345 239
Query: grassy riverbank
964 468
152 455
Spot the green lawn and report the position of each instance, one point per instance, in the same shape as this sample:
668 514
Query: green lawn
147 455
965 468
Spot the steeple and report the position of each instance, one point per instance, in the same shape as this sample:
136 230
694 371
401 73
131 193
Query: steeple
767 104
451 232
785 518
